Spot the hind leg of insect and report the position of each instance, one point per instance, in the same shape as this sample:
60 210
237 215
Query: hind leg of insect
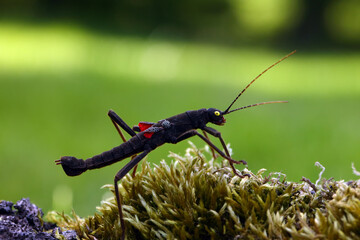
117 178
117 121
217 134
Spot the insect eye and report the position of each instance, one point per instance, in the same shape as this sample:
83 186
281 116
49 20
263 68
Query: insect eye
217 113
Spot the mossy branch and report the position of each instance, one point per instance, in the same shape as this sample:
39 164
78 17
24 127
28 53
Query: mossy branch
193 198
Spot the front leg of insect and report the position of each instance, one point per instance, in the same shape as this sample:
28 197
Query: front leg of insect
191 133
217 134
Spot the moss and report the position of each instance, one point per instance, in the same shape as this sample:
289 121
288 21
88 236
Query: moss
193 198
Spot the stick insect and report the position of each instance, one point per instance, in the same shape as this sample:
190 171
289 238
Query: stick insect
148 135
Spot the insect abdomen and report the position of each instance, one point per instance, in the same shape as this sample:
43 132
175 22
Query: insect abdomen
125 150
73 166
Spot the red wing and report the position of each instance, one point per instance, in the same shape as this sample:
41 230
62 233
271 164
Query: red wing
144 125
148 134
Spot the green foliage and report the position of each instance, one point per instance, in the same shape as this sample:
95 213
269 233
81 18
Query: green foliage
193 198
58 82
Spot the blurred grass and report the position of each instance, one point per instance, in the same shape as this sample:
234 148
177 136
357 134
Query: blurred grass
58 82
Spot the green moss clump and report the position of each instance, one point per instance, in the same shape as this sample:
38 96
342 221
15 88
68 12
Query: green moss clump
193 198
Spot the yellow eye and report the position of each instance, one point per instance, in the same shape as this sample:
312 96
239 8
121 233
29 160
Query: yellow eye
217 113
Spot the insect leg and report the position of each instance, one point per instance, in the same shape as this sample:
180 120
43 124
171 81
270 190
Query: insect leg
117 121
211 149
222 154
117 178
217 134
194 132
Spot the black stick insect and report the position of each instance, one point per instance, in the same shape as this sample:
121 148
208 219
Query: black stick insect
152 135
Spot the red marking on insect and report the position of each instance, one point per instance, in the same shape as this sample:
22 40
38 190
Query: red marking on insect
148 134
143 126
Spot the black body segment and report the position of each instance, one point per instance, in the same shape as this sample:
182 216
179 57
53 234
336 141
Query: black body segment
125 150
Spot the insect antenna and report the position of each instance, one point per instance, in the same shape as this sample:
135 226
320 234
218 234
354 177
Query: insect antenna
227 110
255 104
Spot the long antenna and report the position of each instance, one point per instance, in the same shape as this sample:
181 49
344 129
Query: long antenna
255 104
227 110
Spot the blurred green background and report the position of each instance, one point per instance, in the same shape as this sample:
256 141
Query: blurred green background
64 65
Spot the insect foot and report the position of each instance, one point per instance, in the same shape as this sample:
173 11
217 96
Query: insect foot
239 162
72 166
